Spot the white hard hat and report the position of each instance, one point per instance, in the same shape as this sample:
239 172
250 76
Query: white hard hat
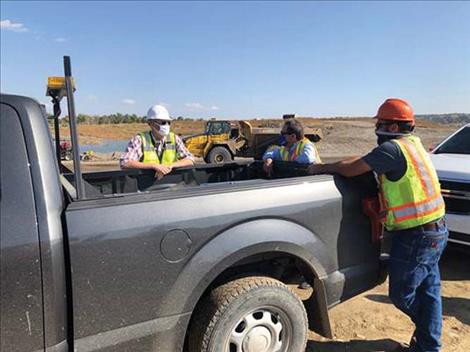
158 112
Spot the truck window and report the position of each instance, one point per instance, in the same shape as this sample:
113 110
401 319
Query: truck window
457 144
219 128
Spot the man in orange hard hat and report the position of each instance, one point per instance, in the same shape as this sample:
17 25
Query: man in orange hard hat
413 214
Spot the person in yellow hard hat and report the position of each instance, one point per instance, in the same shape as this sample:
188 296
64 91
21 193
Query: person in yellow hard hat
413 213
157 149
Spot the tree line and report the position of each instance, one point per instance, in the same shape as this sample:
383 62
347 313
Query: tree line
133 118
117 118
446 118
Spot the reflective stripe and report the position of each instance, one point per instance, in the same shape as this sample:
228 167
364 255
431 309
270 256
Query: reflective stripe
427 162
286 156
170 146
417 210
413 204
147 141
436 209
317 155
419 167
299 146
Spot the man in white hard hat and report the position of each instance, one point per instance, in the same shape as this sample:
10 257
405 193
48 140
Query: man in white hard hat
157 149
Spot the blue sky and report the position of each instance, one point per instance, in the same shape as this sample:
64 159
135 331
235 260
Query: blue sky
242 59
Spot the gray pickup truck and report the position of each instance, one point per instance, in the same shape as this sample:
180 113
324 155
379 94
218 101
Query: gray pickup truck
199 261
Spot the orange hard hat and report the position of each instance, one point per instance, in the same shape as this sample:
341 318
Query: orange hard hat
394 109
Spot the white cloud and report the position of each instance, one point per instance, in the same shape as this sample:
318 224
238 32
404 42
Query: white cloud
92 97
199 106
128 101
60 40
11 26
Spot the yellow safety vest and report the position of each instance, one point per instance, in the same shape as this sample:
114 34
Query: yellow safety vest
286 155
169 154
415 199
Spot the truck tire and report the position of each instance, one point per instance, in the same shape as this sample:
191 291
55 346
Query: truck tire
219 155
252 314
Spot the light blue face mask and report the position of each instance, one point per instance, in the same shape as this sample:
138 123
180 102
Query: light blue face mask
164 130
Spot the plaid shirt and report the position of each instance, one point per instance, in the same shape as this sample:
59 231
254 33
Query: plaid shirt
134 149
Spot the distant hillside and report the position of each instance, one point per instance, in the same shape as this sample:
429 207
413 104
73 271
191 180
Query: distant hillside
118 118
460 118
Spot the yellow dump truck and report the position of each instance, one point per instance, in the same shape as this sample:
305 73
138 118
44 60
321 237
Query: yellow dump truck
222 141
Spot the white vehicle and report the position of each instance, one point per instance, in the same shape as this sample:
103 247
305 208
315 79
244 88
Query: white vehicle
452 161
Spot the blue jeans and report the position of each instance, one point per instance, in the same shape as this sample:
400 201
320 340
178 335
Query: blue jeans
415 282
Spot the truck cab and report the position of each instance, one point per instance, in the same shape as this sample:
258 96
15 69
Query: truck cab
451 158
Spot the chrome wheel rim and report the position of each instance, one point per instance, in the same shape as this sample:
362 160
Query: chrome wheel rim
266 329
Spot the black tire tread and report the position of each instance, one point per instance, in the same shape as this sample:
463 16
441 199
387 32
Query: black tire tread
213 307
220 150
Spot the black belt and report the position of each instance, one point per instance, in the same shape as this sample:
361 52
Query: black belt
430 226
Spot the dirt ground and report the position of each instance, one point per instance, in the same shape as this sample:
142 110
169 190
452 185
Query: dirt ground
370 322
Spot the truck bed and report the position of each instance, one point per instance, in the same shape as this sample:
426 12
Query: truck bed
117 183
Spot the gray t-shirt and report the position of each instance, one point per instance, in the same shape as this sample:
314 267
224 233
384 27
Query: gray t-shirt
387 159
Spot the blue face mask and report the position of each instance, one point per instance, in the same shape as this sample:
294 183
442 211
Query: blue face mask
282 139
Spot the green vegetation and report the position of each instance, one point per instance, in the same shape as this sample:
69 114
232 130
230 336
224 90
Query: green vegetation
101 119
119 118
446 118
116 118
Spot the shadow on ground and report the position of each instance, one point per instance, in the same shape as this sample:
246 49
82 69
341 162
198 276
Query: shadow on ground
457 307
352 346
454 264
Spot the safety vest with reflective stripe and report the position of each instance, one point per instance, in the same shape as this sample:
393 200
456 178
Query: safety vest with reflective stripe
297 149
169 154
415 199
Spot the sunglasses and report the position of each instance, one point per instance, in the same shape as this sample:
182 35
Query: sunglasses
382 124
160 122
284 133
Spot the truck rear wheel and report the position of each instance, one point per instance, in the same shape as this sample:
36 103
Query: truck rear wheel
219 155
252 314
